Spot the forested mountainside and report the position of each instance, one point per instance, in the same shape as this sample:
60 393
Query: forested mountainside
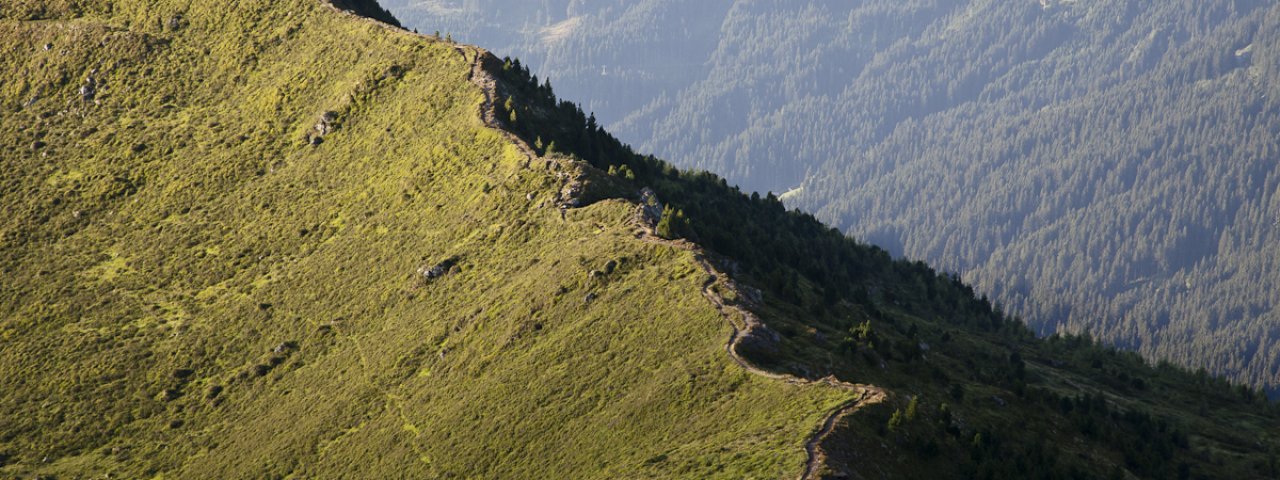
1105 166
274 239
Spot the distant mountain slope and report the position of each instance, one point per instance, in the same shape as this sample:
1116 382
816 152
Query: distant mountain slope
273 239
1133 194
1107 166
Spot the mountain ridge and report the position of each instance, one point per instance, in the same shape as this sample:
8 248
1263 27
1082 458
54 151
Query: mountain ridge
1102 166
483 62
273 257
310 290
546 130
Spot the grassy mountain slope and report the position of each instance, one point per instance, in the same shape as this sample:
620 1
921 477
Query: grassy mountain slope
974 394
192 288
1106 166
272 239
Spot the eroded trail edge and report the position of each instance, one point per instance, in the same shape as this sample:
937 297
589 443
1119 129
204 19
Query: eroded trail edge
742 321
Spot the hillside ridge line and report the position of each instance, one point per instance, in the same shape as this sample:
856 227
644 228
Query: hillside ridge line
865 394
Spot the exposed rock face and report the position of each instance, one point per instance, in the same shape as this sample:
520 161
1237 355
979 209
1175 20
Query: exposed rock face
650 207
761 341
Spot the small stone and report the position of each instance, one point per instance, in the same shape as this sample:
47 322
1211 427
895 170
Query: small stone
89 90
48 46
285 347
169 395
590 296
438 270
325 125
36 145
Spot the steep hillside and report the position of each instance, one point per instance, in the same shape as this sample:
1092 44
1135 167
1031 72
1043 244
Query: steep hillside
1107 166
273 239
972 392
216 265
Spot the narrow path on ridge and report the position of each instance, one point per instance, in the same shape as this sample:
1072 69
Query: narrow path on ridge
488 109
866 394
739 330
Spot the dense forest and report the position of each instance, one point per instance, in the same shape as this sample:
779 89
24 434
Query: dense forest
1108 167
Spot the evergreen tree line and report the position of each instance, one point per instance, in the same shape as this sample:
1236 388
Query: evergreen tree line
800 263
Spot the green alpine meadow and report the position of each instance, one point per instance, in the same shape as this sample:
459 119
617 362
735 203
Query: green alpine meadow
292 239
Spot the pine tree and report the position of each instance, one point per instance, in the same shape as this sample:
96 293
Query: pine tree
666 227
895 420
